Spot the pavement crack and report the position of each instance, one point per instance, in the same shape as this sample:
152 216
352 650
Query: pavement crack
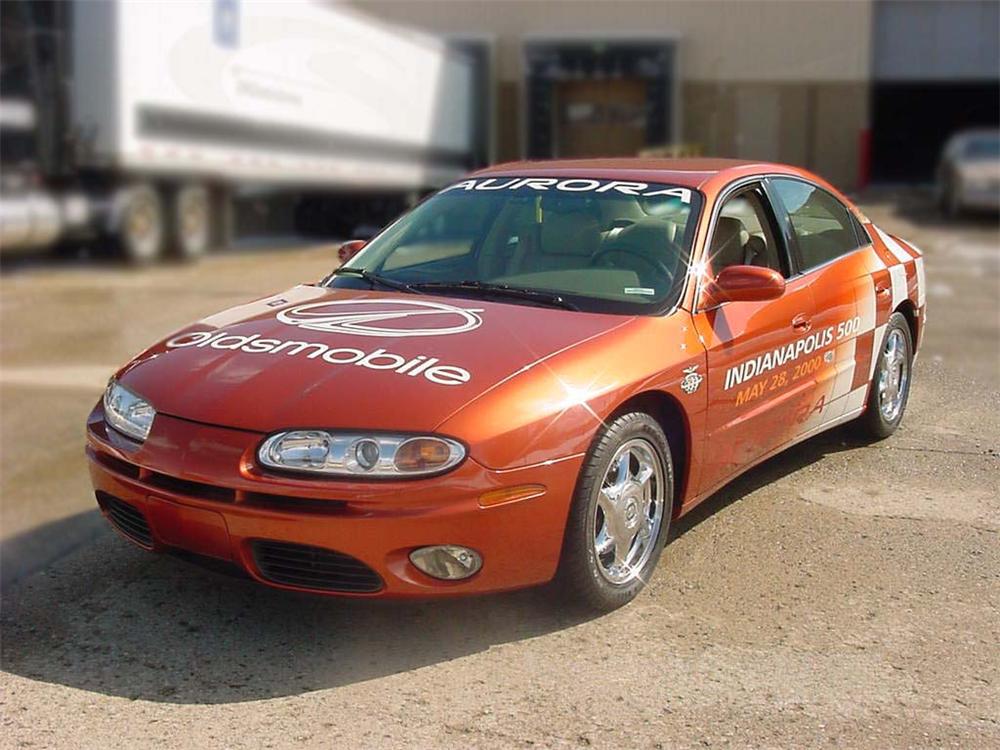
989 453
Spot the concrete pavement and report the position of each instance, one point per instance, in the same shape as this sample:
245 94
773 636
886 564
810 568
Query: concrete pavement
840 594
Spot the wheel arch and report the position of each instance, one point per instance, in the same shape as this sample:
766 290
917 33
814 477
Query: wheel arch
908 310
673 420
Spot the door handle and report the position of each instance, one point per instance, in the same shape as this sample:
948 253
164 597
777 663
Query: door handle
801 323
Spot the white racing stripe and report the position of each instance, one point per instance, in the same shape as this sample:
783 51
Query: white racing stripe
844 364
921 283
867 308
855 399
300 293
894 247
835 411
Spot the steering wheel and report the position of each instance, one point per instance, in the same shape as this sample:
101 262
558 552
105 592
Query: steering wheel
656 265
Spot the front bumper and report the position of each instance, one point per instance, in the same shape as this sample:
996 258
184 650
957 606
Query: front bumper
197 488
980 197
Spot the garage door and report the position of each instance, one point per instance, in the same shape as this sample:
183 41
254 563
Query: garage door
936 70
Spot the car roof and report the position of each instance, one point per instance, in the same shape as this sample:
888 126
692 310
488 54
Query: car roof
693 173
992 133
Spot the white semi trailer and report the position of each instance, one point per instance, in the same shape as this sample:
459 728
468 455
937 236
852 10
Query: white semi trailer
136 119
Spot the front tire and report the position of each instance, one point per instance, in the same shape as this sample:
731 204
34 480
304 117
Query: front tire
890 387
139 224
620 515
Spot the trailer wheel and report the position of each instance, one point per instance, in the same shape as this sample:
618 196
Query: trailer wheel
192 221
139 223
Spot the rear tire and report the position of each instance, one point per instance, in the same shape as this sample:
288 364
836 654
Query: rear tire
889 390
617 525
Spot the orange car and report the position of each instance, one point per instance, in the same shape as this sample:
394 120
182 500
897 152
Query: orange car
525 378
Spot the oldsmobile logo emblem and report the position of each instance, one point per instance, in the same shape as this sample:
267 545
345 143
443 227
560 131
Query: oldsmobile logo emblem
382 318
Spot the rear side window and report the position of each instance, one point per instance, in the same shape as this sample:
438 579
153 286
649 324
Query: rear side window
822 224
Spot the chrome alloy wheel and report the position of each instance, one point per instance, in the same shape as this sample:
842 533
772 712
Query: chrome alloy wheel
894 376
629 511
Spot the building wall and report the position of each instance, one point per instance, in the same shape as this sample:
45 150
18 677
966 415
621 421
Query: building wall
769 80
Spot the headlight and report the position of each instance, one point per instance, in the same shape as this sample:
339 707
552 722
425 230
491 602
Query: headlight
126 412
358 454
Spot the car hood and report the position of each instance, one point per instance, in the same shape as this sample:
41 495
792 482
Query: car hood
318 357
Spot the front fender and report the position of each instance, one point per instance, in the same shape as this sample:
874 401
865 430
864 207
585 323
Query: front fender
552 409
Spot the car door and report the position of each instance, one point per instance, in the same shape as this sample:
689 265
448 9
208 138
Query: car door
827 245
755 390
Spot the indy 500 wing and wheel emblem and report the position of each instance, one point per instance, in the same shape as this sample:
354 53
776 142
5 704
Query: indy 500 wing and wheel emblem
692 379
569 354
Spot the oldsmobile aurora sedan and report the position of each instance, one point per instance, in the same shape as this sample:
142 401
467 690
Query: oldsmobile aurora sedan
524 379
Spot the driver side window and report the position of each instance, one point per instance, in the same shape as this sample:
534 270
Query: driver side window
744 235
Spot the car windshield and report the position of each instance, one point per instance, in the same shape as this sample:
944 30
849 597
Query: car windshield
595 245
983 148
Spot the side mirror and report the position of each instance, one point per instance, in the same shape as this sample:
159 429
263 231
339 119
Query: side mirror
746 284
349 249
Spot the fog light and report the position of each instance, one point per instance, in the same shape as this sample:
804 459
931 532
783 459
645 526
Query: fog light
448 562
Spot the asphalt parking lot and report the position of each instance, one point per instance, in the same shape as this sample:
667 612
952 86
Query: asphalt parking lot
839 595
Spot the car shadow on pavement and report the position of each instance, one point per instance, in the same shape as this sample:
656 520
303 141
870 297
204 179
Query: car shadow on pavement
111 619
839 439
115 620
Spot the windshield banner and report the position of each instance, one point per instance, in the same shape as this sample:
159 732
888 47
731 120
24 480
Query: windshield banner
573 185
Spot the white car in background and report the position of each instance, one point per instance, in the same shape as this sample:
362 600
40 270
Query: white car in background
969 173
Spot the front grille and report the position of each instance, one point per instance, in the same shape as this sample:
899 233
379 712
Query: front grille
285 503
117 465
127 519
154 480
313 568
179 486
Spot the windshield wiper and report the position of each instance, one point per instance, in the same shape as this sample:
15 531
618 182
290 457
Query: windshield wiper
498 290
374 278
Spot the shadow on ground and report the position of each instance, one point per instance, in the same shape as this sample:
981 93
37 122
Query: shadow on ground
115 620
37 549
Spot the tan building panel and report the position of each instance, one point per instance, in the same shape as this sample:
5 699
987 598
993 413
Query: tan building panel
821 40
784 81
814 125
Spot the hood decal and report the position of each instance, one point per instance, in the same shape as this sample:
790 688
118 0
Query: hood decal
379 359
385 318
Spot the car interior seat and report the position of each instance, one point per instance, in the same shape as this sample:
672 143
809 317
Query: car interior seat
566 238
728 244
